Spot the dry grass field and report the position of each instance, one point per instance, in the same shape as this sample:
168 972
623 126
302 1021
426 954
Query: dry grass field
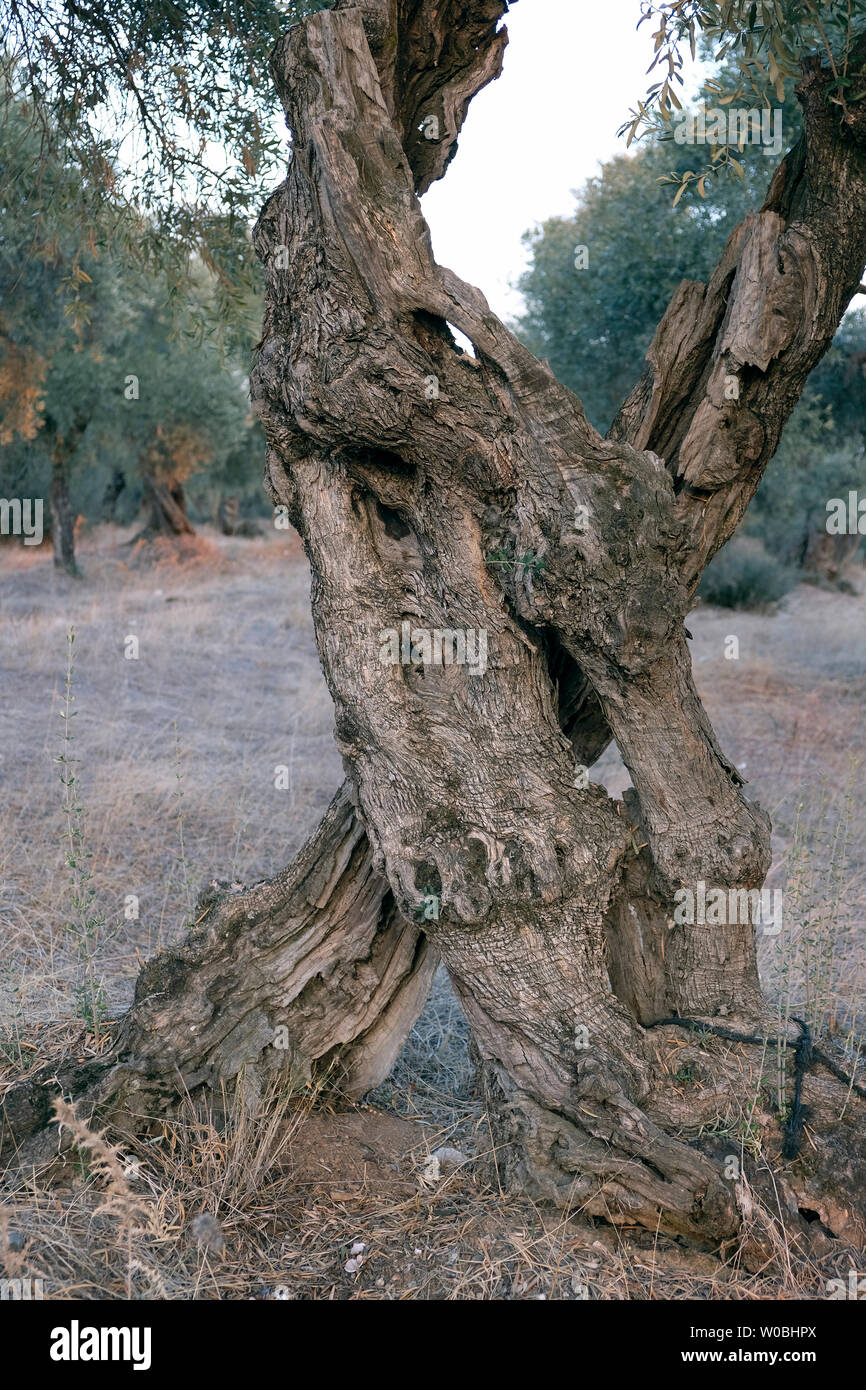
176 752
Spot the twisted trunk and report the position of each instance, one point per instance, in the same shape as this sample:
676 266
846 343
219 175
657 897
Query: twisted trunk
441 493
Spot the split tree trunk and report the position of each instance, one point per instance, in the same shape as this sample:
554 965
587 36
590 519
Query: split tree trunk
471 494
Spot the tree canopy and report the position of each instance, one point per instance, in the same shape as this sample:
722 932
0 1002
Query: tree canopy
98 352
164 107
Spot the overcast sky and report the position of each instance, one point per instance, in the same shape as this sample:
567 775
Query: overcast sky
573 71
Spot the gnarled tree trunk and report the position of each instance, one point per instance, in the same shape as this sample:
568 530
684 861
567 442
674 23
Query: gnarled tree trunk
439 493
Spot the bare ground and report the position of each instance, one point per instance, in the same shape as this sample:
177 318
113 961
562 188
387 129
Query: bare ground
176 756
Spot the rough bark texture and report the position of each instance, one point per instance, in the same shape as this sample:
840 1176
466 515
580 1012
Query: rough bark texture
470 494
436 509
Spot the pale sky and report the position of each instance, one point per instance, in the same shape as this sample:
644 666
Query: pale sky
572 73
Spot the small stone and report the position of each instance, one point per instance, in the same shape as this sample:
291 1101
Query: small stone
449 1160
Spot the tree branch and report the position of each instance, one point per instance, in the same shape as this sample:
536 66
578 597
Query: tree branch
730 359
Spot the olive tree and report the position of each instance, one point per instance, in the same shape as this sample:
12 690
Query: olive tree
498 593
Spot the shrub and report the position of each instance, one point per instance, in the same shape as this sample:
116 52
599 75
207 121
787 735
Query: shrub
745 575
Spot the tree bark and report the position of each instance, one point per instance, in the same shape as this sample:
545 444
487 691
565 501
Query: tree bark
443 493
455 509
62 515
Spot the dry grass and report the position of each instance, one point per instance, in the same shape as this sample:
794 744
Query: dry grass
176 783
176 749
273 1205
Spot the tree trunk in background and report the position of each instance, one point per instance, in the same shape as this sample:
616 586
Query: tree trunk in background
113 489
62 515
227 514
164 509
829 556
438 492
